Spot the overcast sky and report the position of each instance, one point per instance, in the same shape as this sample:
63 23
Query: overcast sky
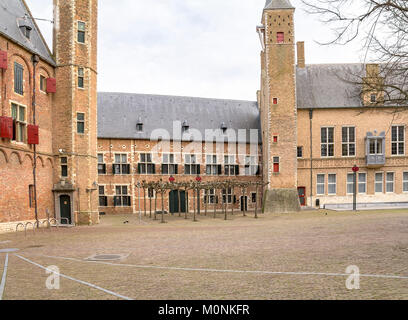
201 48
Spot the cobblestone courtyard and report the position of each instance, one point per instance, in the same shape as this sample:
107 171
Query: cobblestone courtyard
215 259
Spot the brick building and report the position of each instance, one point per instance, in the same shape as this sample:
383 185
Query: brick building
48 115
303 135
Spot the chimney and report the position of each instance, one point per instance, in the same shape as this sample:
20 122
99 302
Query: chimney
301 54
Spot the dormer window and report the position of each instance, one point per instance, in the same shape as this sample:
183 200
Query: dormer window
139 125
224 127
26 30
185 126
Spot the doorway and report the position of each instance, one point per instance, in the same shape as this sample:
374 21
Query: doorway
244 203
65 209
302 196
174 201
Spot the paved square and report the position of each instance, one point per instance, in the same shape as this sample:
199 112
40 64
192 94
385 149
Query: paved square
294 256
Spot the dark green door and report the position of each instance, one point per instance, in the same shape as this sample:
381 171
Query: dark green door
65 207
174 201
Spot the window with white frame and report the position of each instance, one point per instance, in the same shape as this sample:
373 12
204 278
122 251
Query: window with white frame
405 182
251 166
327 142
379 182
348 141
398 141
101 164
362 182
320 184
121 165
151 193
191 165
18 113
390 182
146 166
227 196
332 184
81 76
230 166
209 196
81 32
213 168
122 198
350 183
376 146
169 166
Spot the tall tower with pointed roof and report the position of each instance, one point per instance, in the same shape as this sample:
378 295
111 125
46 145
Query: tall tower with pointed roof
277 102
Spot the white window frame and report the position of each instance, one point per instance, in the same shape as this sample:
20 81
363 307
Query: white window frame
405 182
349 183
331 184
191 160
327 143
377 182
321 184
209 196
212 164
398 141
387 182
20 123
362 183
170 162
348 143
230 161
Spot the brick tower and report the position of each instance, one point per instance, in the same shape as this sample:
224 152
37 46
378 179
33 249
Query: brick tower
277 101
75 111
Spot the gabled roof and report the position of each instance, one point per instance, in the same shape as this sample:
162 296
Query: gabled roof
12 13
118 114
278 4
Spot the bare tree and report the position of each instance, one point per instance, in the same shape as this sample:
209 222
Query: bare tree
381 28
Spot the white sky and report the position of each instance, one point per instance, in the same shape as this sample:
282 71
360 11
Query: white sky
201 48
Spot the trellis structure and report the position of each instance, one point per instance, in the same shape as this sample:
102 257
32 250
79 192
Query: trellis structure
161 187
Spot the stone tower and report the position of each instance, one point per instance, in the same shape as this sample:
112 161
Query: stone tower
75 111
277 101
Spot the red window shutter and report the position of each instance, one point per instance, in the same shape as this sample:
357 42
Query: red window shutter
32 134
276 167
275 139
3 60
275 100
6 127
51 85
280 37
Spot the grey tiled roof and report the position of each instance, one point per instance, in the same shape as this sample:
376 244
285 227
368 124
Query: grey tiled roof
278 4
12 13
118 114
329 85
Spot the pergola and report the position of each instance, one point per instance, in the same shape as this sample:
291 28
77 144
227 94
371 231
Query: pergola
196 186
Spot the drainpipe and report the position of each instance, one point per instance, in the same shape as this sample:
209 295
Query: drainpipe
311 156
35 59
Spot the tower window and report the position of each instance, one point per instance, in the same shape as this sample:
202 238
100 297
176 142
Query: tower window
64 167
276 162
300 152
280 37
80 123
81 32
80 77
373 98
